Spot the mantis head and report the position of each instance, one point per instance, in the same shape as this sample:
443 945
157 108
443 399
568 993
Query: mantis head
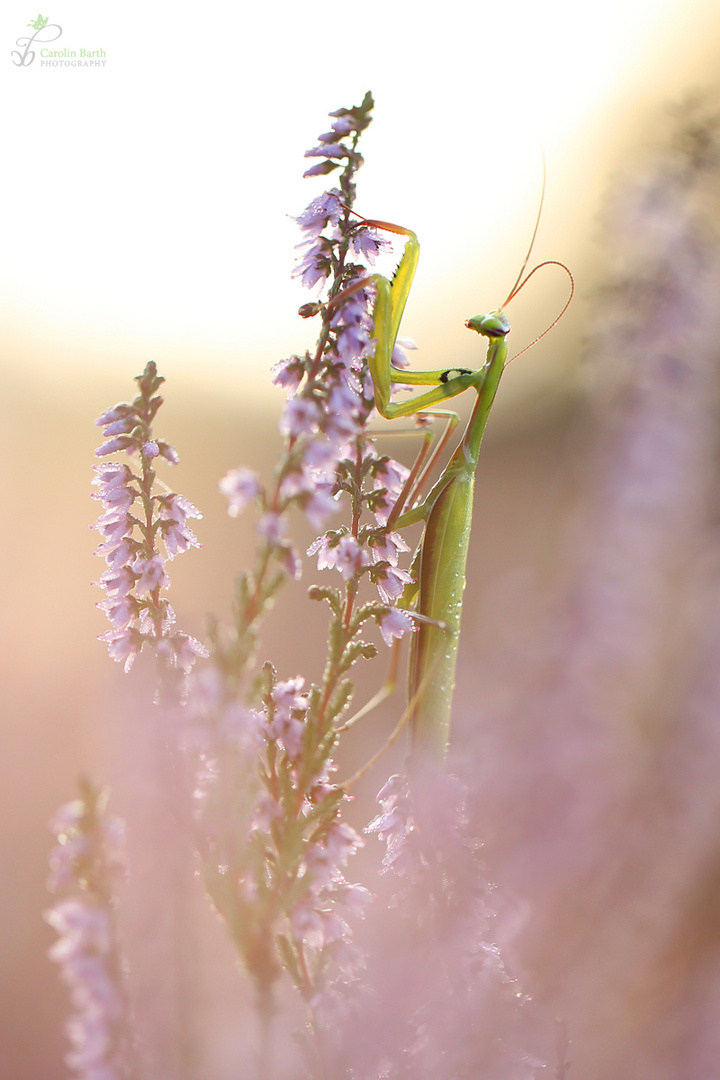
492 325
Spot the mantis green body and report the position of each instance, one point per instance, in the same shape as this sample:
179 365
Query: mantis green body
441 558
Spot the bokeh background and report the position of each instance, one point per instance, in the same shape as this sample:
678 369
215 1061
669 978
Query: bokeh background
147 214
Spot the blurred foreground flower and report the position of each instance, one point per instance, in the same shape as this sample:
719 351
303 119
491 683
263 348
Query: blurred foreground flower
84 868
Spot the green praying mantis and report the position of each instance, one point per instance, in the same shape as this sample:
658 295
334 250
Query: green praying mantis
440 561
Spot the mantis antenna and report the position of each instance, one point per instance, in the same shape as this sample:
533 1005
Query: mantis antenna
521 281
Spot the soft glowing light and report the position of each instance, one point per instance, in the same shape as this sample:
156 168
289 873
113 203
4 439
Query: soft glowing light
148 201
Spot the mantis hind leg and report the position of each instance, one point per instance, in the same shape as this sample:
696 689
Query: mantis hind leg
425 462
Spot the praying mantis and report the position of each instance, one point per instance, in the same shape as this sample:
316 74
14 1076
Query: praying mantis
440 561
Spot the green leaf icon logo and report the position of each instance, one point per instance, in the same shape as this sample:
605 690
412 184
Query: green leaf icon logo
39 23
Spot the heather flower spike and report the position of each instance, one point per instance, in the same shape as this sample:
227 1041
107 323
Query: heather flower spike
85 867
142 528
329 469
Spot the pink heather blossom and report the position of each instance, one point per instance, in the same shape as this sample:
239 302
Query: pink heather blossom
398 358
290 560
342 126
316 920
423 825
354 897
271 527
334 927
314 493
286 695
342 841
63 860
123 645
118 412
314 266
390 581
120 612
168 452
325 209
350 557
120 427
321 457
343 421
151 573
367 243
288 373
297 482
317 170
177 507
112 473
339 551
394 624
308 925
328 150
394 825
116 495
80 926
290 731
186 650
301 417
286 726
239 486
267 811
350 961
119 555
387 547
391 475
242 727
115 525
319 506
148 624
354 326
388 481
177 538
114 446
174 511
321 865
325 547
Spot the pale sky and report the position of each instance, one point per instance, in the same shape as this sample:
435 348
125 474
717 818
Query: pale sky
146 202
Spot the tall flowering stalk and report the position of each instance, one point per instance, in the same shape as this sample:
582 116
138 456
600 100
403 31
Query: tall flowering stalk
274 866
